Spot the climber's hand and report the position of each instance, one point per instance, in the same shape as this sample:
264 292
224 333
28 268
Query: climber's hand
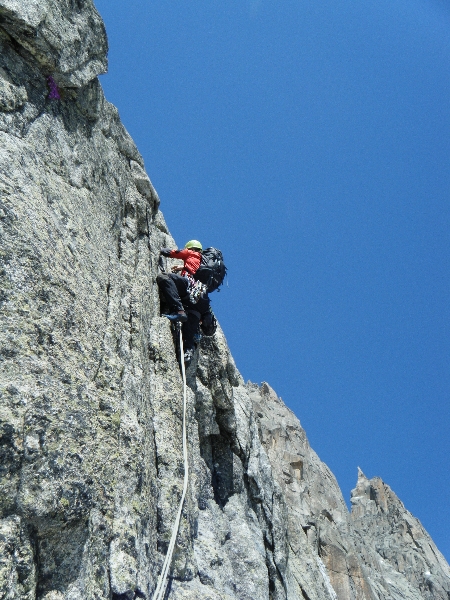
176 269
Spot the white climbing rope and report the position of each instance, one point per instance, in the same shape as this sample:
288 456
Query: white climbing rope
161 587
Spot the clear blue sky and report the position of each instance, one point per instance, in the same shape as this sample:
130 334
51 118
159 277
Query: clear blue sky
310 141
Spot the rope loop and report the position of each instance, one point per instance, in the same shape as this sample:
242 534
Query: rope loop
162 580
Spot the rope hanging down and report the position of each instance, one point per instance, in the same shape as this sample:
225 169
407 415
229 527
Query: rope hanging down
161 587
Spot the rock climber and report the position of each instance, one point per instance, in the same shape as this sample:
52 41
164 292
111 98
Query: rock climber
187 298
174 286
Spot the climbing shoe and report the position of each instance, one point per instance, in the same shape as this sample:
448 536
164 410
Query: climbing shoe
178 316
188 356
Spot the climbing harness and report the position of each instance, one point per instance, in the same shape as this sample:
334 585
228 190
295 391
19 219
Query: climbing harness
196 289
161 587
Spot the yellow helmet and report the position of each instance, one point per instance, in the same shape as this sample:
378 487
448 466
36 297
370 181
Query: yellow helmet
194 244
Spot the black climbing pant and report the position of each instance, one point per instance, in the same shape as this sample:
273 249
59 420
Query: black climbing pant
190 328
175 291
174 288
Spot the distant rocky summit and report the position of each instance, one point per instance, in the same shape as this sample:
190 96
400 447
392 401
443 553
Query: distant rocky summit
91 466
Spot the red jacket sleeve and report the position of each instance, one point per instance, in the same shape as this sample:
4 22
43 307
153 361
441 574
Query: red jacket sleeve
183 254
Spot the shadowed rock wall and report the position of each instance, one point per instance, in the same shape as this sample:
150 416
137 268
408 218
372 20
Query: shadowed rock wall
90 391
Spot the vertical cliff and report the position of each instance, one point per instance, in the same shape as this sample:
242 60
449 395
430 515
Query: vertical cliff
377 551
400 557
90 413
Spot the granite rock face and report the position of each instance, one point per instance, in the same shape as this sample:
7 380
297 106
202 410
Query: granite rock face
378 551
66 38
91 463
319 528
399 555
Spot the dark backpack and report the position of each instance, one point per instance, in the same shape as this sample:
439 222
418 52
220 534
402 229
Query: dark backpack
212 270
209 324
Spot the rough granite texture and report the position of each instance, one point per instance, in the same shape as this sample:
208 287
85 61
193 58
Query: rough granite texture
378 551
90 391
